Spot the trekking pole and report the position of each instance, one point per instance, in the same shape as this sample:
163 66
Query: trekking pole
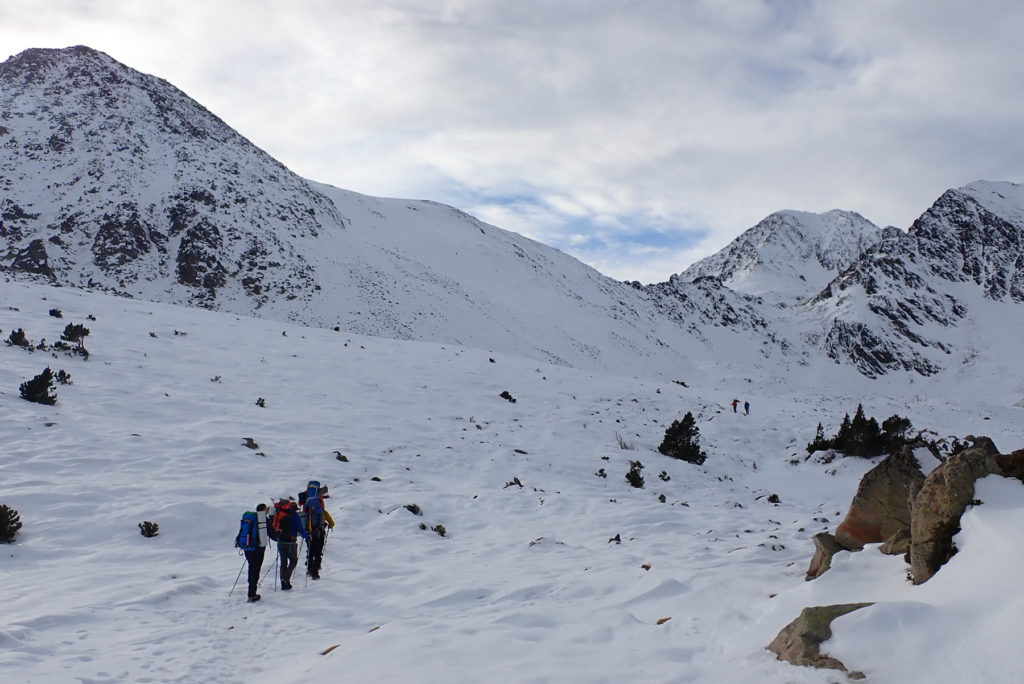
237 576
305 583
274 567
323 551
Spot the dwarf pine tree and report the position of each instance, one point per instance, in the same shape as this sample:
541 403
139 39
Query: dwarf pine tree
10 523
18 338
861 436
75 332
40 389
682 441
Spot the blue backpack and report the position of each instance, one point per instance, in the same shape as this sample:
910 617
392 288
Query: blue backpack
314 505
248 532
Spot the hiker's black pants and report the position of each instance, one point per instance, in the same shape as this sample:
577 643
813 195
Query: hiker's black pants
289 552
316 550
255 560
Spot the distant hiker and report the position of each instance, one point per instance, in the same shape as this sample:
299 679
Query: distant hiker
746 408
317 520
735 402
252 540
286 527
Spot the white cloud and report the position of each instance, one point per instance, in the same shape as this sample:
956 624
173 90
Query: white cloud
700 117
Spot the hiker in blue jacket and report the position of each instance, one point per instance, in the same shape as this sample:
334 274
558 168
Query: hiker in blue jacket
317 521
291 527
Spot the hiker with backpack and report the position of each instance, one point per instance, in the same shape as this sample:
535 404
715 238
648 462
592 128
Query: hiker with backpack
285 528
318 521
252 540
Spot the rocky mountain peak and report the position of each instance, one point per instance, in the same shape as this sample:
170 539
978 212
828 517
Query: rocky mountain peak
115 179
789 255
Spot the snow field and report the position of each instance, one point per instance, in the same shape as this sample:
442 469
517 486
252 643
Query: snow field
525 586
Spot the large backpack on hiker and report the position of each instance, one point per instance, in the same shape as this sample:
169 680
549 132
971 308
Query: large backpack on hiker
275 523
314 506
248 538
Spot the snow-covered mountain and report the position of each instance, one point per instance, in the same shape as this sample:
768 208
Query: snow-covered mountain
117 181
114 180
935 297
790 255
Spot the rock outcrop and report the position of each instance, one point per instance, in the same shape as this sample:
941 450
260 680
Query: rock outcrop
908 513
879 512
799 642
945 495
881 506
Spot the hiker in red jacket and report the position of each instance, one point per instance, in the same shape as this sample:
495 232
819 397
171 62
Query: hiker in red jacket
734 404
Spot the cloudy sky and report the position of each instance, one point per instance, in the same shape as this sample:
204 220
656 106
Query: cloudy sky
637 136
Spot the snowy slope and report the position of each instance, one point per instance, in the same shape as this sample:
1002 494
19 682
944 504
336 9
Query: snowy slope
524 587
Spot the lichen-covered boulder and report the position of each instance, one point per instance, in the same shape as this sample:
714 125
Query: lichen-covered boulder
945 495
881 506
799 642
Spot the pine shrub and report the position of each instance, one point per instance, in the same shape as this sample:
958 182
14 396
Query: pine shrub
635 478
10 523
40 389
18 338
75 332
861 436
149 529
682 441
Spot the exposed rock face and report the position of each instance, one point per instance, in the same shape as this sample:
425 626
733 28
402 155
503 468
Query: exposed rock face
115 179
881 506
32 259
799 642
945 495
